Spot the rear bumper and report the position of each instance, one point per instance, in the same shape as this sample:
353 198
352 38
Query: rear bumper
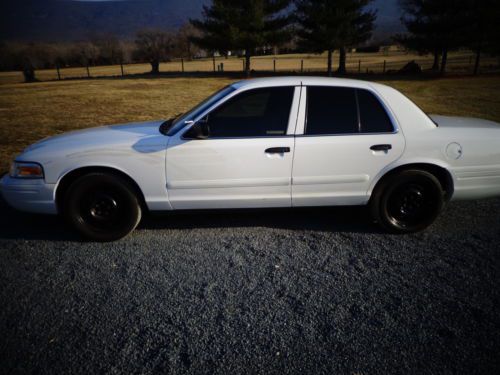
28 195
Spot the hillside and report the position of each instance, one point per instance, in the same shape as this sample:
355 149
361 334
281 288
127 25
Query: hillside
59 20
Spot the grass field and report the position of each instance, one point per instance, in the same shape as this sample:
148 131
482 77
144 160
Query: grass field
29 112
459 62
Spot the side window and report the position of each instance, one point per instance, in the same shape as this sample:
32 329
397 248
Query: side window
331 110
254 113
373 117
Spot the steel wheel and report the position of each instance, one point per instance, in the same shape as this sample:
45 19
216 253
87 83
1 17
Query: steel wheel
102 207
408 201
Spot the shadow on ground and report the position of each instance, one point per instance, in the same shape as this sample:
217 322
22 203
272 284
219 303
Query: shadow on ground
19 225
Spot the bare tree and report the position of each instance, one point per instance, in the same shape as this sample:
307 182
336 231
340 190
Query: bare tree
110 48
154 46
184 44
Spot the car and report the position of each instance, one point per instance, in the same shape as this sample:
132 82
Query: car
264 143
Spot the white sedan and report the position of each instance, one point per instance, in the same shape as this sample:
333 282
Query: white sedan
274 142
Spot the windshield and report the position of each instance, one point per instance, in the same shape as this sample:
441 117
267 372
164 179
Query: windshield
179 122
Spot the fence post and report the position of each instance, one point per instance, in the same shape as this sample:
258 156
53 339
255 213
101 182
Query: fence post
88 71
359 66
385 62
121 67
222 67
182 63
274 65
213 60
243 61
302 66
58 72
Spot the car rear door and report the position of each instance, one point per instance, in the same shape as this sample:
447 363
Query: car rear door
345 137
245 162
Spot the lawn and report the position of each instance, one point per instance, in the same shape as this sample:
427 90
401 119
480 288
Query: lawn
29 112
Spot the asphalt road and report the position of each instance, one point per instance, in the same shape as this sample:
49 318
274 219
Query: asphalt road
304 292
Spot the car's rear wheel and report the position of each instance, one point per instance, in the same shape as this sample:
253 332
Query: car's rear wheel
102 207
408 201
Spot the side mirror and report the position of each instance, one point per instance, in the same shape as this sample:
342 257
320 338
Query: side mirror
200 130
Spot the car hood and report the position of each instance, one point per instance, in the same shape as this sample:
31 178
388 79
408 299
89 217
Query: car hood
102 137
464 122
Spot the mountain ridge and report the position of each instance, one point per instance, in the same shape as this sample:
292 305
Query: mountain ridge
65 20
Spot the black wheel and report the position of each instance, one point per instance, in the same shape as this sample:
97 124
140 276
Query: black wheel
408 201
102 207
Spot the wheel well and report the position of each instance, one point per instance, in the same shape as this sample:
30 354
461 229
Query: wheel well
70 177
443 175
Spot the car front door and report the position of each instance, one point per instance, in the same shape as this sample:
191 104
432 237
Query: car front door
345 138
242 158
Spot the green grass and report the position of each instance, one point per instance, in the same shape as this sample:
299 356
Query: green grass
29 112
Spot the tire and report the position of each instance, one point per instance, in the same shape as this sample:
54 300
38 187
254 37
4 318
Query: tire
102 207
407 202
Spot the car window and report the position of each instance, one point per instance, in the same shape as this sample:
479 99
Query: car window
331 110
179 122
373 116
255 113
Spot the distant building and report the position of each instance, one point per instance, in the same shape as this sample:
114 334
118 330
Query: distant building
392 48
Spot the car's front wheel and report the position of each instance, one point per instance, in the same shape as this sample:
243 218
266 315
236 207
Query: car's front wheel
408 201
102 207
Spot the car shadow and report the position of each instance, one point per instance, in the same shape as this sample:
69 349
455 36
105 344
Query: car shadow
15 225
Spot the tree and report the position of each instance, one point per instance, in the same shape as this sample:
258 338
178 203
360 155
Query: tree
154 46
483 18
243 25
334 24
110 48
184 42
435 26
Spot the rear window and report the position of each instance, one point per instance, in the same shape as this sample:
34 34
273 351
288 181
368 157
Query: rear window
373 117
331 110
345 110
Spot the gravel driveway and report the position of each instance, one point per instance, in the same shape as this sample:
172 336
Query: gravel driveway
303 292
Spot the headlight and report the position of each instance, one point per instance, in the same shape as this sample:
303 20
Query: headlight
26 170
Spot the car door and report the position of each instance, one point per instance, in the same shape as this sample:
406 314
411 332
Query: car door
345 138
244 161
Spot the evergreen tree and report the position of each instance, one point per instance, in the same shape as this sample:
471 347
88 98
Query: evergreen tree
483 18
243 25
327 25
434 26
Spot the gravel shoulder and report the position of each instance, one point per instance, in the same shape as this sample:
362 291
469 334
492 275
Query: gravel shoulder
304 292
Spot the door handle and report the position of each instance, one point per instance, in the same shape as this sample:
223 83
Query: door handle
277 150
381 147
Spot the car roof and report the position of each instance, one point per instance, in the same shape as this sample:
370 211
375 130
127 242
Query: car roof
298 81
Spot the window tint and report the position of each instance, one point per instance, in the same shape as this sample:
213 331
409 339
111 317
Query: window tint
331 110
373 117
179 123
255 113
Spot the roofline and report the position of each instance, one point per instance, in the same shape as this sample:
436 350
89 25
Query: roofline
301 81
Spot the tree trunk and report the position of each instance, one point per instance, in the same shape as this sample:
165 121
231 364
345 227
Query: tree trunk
342 60
248 55
444 59
29 72
329 69
155 67
435 65
478 60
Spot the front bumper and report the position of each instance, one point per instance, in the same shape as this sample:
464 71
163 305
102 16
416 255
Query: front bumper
29 195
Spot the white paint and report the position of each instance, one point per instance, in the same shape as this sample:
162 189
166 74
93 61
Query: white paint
175 173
